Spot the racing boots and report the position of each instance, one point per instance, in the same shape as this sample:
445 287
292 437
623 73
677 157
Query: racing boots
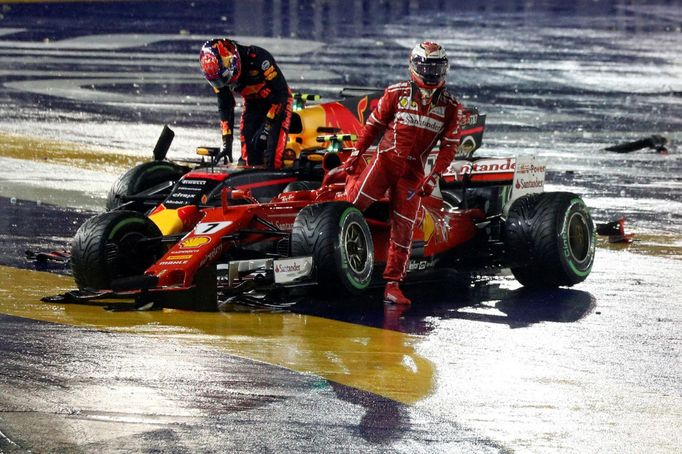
393 294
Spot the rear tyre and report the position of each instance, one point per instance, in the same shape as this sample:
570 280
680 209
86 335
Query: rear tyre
338 238
108 246
141 178
551 239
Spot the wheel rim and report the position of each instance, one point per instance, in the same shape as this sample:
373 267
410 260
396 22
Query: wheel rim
578 238
123 254
355 246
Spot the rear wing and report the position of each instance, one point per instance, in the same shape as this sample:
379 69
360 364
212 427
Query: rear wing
480 170
525 174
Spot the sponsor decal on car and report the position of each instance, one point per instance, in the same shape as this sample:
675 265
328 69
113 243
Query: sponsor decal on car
172 262
529 176
180 256
195 241
523 184
469 120
190 182
489 166
211 255
289 270
419 265
492 169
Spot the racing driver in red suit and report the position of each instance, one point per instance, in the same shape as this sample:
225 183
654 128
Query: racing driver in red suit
251 71
411 117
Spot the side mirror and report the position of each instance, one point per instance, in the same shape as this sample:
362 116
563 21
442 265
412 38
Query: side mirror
229 193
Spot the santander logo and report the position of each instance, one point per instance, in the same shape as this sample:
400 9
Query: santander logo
293 268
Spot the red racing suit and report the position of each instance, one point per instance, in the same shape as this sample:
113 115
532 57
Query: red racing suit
267 100
410 130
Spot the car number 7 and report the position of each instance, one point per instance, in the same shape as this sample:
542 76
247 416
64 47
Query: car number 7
204 228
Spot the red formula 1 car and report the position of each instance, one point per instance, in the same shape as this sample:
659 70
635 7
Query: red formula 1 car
211 240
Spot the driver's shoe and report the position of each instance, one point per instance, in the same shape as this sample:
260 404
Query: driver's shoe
393 294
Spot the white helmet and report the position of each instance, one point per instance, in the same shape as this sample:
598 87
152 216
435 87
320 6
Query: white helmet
428 65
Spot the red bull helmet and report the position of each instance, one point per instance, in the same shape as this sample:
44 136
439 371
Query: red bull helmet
220 62
428 65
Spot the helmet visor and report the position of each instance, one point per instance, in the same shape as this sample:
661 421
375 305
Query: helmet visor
431 70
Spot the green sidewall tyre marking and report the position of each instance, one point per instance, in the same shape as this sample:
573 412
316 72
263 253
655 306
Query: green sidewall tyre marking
564 239
344 261
122 224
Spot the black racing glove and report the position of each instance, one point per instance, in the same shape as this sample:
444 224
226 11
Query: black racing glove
225 149
260 140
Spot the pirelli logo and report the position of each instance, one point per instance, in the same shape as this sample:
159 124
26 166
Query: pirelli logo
419 121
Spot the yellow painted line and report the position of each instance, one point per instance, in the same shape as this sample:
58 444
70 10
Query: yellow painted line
65 153
380 361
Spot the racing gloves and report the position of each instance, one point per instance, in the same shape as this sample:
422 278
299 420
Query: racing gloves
260 140
429 184
351 164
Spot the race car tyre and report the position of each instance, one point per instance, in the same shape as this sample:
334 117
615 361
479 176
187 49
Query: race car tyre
108 247
338 238
551 237
302 186
142 178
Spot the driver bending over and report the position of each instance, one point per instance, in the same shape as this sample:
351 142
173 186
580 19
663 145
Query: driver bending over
410 117
251 71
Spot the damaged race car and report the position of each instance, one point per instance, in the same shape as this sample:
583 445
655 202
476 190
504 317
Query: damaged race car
217 240
314 129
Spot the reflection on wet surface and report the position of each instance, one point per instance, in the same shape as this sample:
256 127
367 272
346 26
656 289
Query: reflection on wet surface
499 360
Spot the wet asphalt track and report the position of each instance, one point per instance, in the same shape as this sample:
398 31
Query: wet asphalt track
483 367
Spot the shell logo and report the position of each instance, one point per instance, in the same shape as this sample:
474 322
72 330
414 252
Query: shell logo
195 242
428 226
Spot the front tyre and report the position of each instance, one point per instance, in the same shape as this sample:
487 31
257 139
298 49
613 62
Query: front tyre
142 179
111 246
551 239
338 238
